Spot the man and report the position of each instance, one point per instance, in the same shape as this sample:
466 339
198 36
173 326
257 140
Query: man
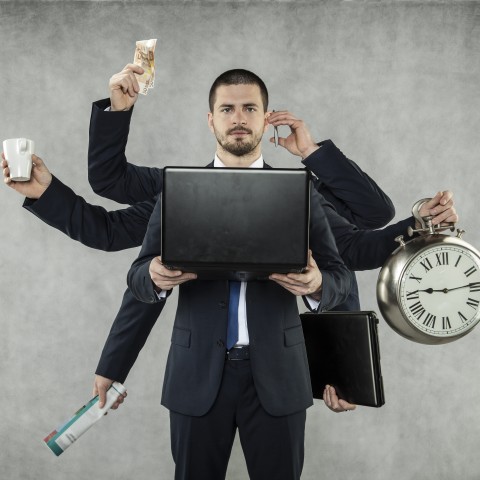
259 384
198 381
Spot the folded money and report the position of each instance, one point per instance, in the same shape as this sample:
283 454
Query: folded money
145 58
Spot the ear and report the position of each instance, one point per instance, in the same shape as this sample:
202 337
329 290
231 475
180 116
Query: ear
210 122
266 124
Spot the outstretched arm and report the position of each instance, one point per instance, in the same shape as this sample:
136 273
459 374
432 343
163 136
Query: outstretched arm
369 249
340 180
128 335
354 194
109 173
58 206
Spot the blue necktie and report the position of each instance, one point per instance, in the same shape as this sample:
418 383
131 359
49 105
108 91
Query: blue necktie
232 326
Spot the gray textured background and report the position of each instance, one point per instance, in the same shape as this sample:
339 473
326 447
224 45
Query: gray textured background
394 84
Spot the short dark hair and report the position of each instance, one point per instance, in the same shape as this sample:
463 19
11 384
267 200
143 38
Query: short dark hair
238 76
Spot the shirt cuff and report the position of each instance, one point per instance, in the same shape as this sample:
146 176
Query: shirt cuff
162 294
314 304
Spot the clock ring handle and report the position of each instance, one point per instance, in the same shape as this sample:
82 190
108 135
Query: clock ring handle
426 225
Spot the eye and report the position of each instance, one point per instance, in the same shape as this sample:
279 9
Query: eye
226 109
251 109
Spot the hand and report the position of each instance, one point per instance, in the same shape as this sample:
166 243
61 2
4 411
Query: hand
441 208
334 403
100 387
39 181
166 279
124 88
307 283
299 142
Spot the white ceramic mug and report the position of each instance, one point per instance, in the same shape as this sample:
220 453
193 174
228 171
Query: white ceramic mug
18 154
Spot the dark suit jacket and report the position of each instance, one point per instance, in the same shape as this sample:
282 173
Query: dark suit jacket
277 349
92 225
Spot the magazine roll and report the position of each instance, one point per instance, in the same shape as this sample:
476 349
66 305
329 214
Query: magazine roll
71 430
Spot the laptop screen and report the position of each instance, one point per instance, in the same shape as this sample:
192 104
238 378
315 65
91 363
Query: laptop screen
235 222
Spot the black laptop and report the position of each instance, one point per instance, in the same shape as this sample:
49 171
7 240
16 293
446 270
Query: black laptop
343 351
235 223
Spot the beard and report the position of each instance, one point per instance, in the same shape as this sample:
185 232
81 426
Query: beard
240 146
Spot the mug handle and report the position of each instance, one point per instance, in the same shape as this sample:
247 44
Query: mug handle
22 145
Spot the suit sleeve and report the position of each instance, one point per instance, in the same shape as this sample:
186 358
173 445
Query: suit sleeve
92 225
128 335
138 277
352 192
336 279
364 249
109 173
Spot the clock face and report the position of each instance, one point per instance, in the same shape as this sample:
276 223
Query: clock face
439 292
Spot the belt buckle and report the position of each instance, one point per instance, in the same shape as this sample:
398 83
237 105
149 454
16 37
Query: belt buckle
238 353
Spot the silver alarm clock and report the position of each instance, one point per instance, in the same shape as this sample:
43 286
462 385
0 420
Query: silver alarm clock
429 288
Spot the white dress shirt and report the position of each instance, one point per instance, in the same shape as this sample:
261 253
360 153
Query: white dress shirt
242 304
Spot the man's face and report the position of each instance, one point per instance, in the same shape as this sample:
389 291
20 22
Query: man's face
238 120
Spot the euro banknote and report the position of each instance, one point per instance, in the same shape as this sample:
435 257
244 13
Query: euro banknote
145 58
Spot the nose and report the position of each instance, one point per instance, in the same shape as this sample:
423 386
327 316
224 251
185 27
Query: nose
239 118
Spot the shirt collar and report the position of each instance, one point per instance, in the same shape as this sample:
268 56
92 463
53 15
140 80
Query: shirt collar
258 163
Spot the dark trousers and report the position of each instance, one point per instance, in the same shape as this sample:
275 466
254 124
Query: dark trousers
273 446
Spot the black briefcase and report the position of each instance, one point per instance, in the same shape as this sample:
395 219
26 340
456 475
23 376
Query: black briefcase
343 351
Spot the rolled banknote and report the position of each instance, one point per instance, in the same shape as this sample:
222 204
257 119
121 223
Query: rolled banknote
145 57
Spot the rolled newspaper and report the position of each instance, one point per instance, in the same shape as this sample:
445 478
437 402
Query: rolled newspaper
62 437
145 58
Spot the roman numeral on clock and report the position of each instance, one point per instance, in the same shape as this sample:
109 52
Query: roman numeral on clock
426 264
470 271
417 310
471 302
446 323
442 258
430 320
462 317
474 287
413 277
412 295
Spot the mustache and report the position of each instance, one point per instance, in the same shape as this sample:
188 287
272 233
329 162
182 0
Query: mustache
239 129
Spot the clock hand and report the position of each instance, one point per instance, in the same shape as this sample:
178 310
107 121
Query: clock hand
445 290
431 290
463 286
